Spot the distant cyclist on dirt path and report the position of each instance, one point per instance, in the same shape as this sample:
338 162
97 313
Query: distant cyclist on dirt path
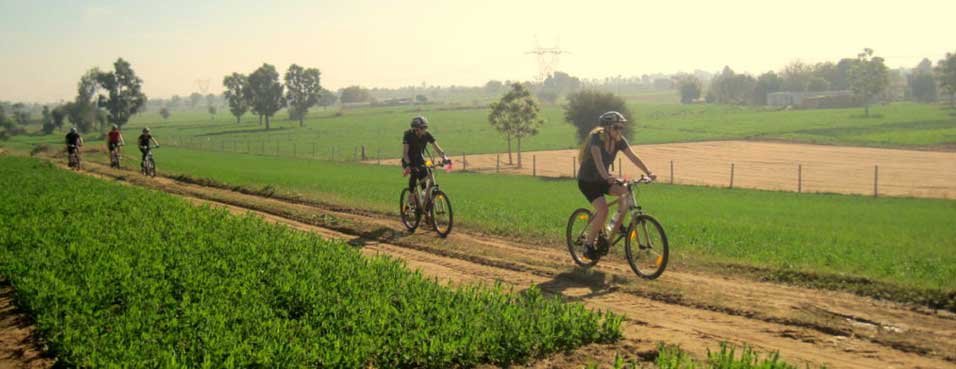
413 152
73 141
144 140
597 153
114 139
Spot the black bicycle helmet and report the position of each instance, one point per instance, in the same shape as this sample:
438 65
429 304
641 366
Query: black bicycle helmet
419 122
610 118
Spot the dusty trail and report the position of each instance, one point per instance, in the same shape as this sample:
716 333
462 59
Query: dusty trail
694 309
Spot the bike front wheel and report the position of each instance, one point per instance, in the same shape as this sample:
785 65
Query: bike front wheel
408 211
646 247
441 213
149 167
576 234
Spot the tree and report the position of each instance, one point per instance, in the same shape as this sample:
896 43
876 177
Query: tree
124 89
59 116
212 112
689 87
237 94
868 77
556 85
302 91
421 99
175 102
212 100
266 92
731 88
818 84
584 108
767 83
492 87
164 112
354 94
516 116
327 98
946 75
21 114
47 120
796 77
922 86
194 99
82 112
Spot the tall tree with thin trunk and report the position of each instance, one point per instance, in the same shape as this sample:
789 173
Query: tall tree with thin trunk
868 78
124 93
516 116
302 91
237 94
266 92
946 75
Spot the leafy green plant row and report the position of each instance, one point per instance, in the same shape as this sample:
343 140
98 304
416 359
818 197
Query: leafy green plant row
124 277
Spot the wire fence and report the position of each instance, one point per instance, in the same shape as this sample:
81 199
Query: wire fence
834 176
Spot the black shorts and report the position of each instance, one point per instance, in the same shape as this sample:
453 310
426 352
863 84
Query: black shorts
113 145
593 190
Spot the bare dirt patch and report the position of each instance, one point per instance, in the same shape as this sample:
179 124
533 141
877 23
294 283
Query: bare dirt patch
18 345
763 165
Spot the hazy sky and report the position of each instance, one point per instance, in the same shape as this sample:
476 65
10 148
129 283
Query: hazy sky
45 45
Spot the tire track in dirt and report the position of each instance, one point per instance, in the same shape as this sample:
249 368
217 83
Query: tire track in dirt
851 332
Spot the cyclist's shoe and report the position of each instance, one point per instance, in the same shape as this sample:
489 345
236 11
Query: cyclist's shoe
602 246
590 252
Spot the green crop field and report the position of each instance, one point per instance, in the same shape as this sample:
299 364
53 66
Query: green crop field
116 276
466 130
907 242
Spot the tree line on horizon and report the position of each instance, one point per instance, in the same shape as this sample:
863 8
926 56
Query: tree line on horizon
866 76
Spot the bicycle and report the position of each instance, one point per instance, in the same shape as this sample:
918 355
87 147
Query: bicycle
74 156
436 206
648 259
115 156
148 166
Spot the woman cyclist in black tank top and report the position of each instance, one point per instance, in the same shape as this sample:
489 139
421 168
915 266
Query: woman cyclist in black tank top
594 179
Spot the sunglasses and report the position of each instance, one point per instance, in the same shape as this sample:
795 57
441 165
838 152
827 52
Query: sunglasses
617 128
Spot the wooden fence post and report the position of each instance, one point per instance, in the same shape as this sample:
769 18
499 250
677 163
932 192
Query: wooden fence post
672 172
876 180
379 156
534 165
464 164
497 162
799 178
731 175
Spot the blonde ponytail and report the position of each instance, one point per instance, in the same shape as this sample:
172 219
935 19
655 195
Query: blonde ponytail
584 153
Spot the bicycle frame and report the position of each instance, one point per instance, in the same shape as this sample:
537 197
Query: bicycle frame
629 200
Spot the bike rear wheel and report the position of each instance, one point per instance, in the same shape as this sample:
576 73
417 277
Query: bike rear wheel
152 167
576 233
441 213
407 210
646 247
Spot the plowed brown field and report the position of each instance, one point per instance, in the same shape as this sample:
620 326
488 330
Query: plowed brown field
763 165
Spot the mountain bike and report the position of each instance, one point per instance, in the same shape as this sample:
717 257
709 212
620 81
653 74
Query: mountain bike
148 166
115 156
430 203
74 156
645 243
